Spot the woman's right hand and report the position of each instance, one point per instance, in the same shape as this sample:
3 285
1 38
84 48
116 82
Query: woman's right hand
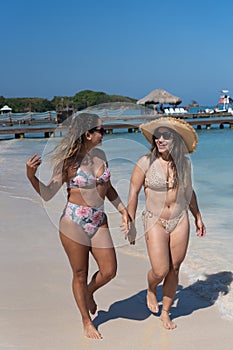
32 165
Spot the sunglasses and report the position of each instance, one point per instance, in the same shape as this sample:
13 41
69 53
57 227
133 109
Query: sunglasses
98 129
167 135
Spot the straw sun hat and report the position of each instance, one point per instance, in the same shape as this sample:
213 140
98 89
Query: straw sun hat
185 130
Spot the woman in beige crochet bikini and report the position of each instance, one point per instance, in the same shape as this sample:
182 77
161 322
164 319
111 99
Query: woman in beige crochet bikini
165 174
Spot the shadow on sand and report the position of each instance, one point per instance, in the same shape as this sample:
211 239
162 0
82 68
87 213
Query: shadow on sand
199 295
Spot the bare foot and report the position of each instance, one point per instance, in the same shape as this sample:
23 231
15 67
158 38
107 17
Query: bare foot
152 302
92 305
167 322
91 332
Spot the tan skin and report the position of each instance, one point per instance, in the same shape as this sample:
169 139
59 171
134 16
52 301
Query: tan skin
76 243
166 251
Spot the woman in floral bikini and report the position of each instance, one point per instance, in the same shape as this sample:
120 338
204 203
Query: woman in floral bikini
83 225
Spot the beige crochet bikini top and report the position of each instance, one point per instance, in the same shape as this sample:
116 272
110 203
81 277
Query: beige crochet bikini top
156 179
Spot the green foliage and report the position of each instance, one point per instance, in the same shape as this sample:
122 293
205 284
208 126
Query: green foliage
2 101
79 101
87 98
23 105
62 102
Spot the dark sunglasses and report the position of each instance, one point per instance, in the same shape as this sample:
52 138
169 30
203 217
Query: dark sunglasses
167 135
98 129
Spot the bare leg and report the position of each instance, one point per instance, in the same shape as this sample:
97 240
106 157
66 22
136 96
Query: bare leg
151 299
169 291
158 250
178 247
91 301
78 255
104 254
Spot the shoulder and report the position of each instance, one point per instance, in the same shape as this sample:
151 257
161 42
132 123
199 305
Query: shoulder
144 162
99 159
100 154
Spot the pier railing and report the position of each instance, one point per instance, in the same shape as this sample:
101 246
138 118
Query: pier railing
126 124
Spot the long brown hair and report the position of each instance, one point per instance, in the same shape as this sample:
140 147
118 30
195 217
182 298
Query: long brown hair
66 152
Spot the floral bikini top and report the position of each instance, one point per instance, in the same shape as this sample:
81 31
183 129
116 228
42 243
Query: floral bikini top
84 179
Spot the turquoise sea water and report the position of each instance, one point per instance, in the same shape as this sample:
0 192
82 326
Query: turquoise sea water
209 260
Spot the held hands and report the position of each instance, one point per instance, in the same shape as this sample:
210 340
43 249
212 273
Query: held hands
128 227
132 233
32 165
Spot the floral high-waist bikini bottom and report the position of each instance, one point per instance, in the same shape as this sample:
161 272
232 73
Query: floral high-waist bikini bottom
150 219
90 219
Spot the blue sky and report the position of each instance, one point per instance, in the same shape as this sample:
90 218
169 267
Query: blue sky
58 48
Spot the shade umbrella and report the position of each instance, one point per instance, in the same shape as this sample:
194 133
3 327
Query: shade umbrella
5 109
159 96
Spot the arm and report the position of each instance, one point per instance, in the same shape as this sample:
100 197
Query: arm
136 183
45 191
193 206
114 198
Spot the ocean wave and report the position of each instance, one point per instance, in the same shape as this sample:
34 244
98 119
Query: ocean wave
216 288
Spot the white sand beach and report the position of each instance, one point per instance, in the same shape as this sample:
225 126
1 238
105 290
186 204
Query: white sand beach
38 310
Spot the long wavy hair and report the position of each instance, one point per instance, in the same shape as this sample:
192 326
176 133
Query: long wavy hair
65 154
177 153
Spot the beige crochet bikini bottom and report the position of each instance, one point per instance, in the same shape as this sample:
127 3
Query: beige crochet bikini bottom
168 225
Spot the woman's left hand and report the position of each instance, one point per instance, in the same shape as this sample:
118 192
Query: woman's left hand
200 227
132 233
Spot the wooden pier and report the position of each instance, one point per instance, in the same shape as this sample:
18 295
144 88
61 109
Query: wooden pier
52 131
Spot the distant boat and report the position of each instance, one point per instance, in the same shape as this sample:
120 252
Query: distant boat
225 100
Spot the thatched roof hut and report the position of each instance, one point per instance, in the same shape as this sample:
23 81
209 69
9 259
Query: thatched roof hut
159 96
